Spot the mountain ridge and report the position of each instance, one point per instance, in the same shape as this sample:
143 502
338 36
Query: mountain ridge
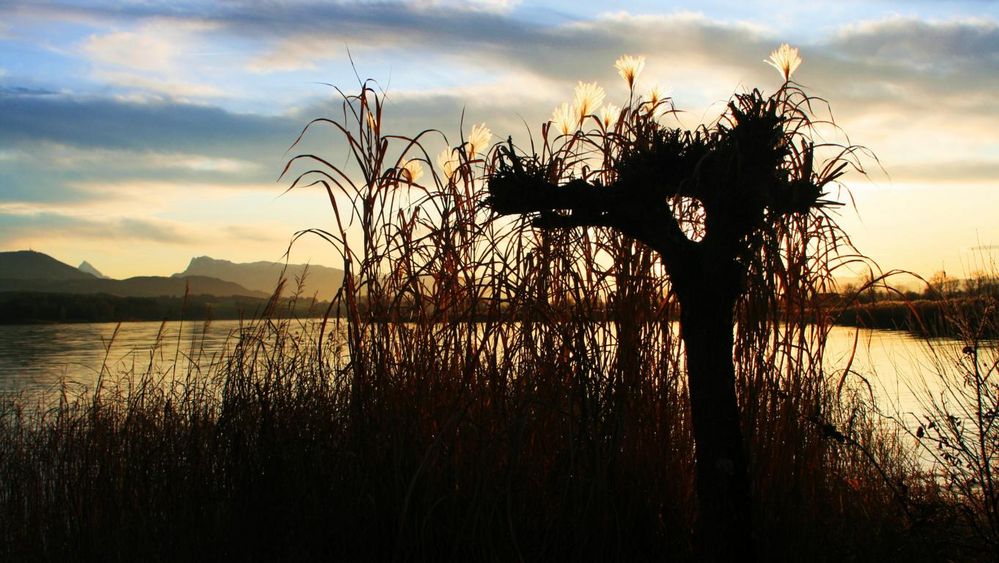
30 271
264 276
31 265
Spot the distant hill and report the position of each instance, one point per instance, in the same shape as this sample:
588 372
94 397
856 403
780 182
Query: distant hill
264 276
31 265
90 269
26 270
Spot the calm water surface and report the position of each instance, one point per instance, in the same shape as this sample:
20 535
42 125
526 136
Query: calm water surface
35 358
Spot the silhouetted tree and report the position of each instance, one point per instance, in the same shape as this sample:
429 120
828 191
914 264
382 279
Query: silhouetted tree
746 177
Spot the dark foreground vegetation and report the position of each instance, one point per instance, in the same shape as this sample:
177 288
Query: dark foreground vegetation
486 433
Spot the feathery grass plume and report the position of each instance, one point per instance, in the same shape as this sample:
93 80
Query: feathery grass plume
412 171
629 68
448 162
588 99
478 139
785 59
565 118
609 115
656 96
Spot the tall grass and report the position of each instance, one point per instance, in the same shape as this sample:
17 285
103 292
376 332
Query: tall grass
489 392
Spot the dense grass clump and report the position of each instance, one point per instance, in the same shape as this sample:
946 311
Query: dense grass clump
472 409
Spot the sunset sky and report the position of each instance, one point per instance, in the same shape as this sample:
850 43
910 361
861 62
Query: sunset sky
136 135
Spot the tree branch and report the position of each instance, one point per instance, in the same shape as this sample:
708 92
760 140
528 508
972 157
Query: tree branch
582 204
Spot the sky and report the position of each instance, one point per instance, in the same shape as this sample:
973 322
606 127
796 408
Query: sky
136 135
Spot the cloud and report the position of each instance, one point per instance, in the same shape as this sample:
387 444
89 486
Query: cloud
493 6
49 225
200 164
146 51
939 47
476 28
365 28
161 27
164 126
161 57
125 161
881 105
868 68
488 41
52 173
948 172
24 91
916 65
159 89
274 237
26 176
65 149
950 64
455 40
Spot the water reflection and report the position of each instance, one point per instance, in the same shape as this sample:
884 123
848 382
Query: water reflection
35 358
894 368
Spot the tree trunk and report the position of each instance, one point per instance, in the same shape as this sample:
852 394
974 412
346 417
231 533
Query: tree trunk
723 529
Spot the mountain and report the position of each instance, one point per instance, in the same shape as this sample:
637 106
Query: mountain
90 269
29 271
264 276
31 265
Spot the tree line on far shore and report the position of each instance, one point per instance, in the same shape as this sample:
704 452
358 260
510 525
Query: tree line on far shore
931 312
31 307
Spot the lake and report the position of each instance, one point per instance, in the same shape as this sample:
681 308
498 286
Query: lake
35 358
